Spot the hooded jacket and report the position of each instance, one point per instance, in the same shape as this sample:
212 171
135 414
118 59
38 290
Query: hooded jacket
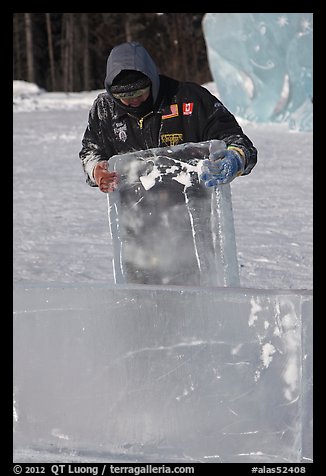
181 112
131 56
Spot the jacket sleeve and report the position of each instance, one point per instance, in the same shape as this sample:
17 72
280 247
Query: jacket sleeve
93 148
219 123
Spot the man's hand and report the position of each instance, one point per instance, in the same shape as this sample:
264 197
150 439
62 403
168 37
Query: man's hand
222 167
107 181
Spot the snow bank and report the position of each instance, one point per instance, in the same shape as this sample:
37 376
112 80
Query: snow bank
30 97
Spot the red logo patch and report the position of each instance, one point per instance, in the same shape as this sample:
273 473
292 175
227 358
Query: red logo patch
187 108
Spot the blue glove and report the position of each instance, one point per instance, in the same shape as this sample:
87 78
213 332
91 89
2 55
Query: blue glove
222 167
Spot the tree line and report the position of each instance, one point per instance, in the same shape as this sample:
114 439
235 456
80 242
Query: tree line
68 51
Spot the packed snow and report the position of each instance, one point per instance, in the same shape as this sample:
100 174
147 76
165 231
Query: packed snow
61 231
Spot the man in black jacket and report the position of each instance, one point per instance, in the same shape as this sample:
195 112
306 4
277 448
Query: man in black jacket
142 109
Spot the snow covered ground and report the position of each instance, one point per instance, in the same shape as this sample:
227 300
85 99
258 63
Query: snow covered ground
61 231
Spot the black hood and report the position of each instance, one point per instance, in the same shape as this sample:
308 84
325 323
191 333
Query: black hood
132 56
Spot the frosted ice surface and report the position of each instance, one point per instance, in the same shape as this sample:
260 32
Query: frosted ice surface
166 226
145 373
262 65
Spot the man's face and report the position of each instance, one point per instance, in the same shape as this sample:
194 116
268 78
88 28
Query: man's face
136 101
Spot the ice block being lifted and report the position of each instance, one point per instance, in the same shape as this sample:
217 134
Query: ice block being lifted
166 226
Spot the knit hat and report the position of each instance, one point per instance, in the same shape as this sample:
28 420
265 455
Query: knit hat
129 83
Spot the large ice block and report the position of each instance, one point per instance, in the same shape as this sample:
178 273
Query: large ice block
262 65
154 373
166 226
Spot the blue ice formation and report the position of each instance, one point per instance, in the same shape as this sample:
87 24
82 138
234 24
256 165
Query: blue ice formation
262 65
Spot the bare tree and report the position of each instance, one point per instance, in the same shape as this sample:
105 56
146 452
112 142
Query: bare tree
29 48
17 63
128 27
67 51
85 51
51 55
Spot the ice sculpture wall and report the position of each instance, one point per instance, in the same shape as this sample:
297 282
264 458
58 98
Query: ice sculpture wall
262 65
154 373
